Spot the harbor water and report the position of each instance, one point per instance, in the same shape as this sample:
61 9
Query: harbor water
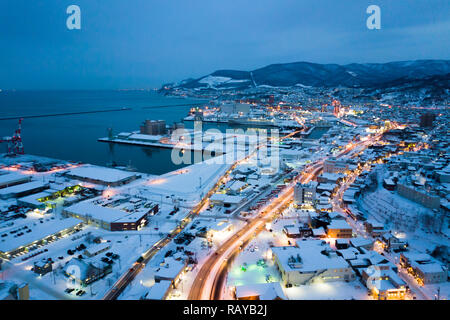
74 137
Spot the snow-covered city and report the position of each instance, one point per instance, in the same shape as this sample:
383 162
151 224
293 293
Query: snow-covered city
353 206
224 159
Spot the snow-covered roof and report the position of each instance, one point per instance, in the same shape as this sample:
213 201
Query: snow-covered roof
360 242
225 198
107 175
319 232
95 248
360 262
221 225
311 257
38 232
433 267
24 187
79 269
326 186
237 185
33 198
103 213
186 182
11 177
412 256
97 212
349 254
331 176
158 290
265 291
339 224
171 269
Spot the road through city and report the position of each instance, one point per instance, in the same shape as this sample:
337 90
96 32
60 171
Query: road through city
210 280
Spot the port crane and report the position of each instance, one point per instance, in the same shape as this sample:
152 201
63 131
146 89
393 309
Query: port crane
15 145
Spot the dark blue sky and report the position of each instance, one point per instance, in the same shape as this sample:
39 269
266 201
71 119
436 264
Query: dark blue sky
144 43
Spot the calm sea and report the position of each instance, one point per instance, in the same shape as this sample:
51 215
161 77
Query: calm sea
74 137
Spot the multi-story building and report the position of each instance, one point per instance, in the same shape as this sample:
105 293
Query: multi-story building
312 261
423 267
339 228
384 283
154 127
375 229
425 197
110 218
305 194
334 165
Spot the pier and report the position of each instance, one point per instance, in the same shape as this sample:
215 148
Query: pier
63 114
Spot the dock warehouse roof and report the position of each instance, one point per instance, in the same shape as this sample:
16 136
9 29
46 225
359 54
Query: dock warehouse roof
22 189
101 175
101 213
11 178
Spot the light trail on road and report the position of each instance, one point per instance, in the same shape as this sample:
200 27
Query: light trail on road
209 281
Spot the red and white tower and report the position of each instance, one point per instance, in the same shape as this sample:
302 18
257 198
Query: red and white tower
15 145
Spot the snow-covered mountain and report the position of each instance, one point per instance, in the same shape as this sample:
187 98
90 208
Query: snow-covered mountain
308 74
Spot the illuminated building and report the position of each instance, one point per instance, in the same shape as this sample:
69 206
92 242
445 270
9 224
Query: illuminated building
305 194
154 127
384 284
85 273
339 229
312 261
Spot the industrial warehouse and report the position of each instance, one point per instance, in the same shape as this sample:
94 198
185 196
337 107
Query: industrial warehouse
109 217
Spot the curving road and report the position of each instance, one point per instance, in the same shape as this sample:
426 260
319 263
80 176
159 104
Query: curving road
210 280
